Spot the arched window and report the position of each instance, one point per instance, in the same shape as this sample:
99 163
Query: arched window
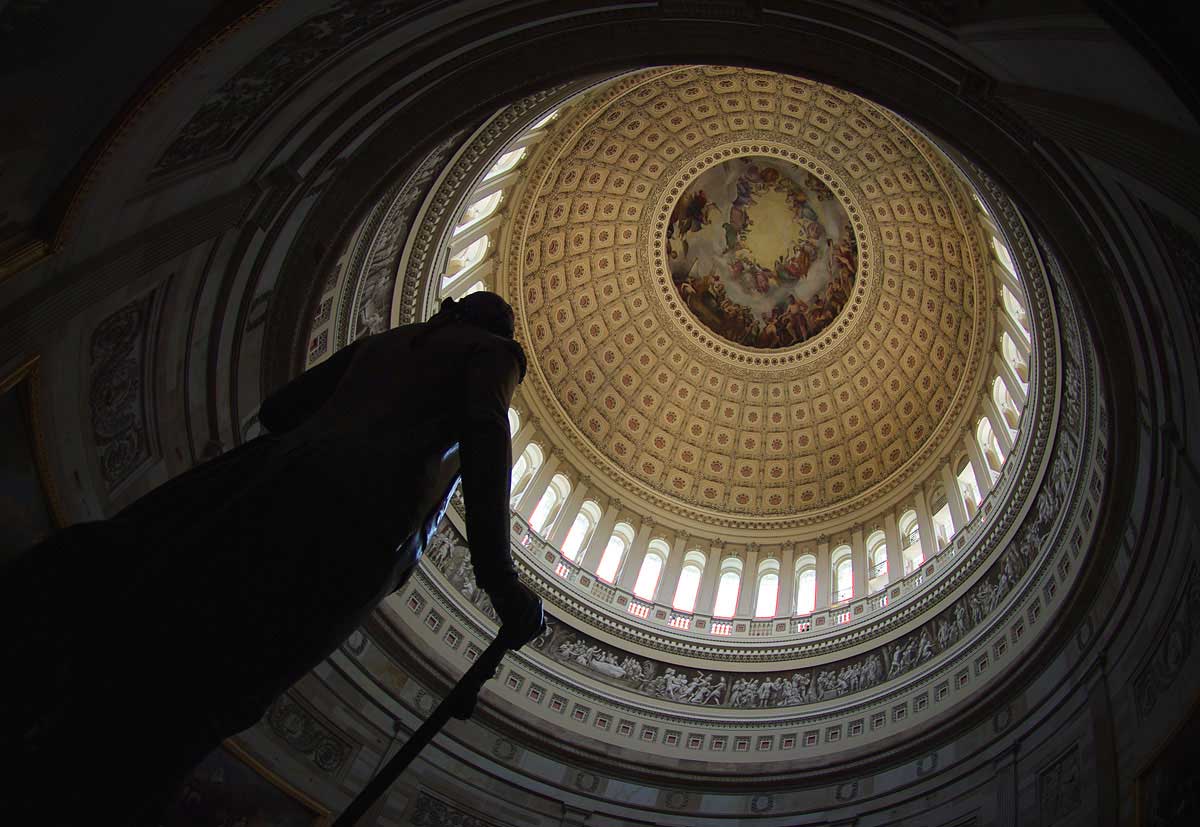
943 523
843 574
877 559
514 422
478 211
581 530
652 568
767 592
992 455
910 530
548 507
1014 309
968 487
1007 405
689 581
910 539
806 585
1008 349
614 552
1002 255
504 163
728 588
464 260
523 470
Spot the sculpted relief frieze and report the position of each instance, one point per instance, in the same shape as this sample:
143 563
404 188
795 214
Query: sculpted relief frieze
117 396
230 112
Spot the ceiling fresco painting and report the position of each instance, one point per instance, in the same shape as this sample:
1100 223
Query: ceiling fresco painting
761 252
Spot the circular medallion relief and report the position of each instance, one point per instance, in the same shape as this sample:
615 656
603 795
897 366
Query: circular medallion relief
761 252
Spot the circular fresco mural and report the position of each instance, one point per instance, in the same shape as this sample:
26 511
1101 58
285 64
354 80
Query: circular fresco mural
761 252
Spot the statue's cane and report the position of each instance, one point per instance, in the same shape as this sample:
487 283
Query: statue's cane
459 704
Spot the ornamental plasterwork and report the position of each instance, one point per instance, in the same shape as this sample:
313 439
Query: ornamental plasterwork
973 549
829 421
941 662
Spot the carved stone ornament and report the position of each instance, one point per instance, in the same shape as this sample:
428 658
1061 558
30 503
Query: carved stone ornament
291 721
117 396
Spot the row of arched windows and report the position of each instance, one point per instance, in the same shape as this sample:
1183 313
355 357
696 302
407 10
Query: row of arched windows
549 510
468 263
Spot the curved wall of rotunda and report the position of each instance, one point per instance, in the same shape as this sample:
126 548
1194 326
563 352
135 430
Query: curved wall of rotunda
853 464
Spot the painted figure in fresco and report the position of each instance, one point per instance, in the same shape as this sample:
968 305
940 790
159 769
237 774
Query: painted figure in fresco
717 216
177 622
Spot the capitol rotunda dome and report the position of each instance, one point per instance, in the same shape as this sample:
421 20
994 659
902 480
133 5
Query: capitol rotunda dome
792 469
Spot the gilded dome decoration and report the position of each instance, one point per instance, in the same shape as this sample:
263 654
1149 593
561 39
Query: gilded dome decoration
761 252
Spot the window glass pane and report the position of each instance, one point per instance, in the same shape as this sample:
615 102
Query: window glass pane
727 595
465 260
505 162
474 288
913 558
537 520
518 476
992 454
768 595
647 580
943 526
844 581
478 211
686 590
1003 256
574 541
969 487
611 559
806 596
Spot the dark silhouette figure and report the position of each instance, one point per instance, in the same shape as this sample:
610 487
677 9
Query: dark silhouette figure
133 645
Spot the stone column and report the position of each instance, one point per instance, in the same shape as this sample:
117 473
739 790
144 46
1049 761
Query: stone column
669 581
824 576
522 438
958 510
590 558
1012 382
999 428
748 592
786 604
983 477
1015 332
568 513
473 234
859 562
925 524
895 554
538 485
1010 281
708 580
627 576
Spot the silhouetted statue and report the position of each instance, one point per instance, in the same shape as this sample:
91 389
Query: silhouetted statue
134 645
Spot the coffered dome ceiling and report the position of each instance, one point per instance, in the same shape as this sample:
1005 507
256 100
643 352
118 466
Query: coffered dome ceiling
749 299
